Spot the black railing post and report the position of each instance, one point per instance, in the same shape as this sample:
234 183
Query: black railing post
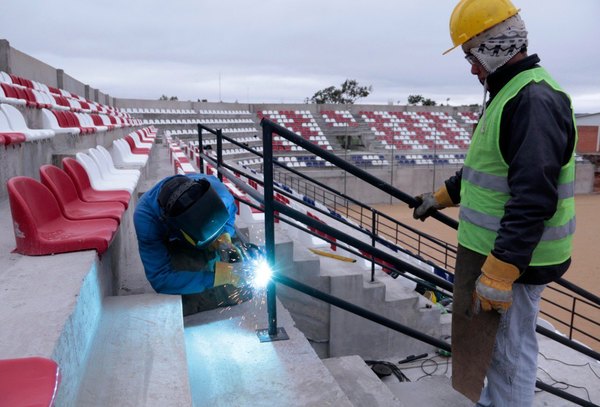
272 333
200 150
373 241
220 152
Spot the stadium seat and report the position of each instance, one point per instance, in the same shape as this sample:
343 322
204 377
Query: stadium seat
101 180
104 159
134 148
50 121
84 188
124 158
17 124
73 207
31 381
40 227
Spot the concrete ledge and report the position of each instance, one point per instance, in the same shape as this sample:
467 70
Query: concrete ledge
230 367
138 355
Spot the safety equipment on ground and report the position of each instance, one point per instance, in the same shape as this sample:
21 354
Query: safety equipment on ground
193 208
472 17
236 274
428 202
493 289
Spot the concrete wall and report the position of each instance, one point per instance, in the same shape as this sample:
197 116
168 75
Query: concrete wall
71 84
28 67
15 62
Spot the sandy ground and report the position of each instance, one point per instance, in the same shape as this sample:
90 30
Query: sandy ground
584 270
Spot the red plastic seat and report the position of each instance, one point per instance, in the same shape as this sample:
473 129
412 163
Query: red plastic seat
29 382
73 207
84 188
12 138
134 149
40 227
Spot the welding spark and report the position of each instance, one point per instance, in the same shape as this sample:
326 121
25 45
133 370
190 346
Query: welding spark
262 273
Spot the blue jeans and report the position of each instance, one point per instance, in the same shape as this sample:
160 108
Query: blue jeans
512 374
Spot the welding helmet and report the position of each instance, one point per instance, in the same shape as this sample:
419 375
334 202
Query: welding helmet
472 17
193 208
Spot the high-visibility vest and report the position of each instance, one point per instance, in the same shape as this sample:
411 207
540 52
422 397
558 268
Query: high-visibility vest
484 186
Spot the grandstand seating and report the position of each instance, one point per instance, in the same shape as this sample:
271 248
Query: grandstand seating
339 118
17 123
416 130
136 148
84 188
40 227
31 381
104 161
71 206
300 122
103 180
125 158
7 135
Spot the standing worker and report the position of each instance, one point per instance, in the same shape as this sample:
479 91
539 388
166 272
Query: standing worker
184 227
517 209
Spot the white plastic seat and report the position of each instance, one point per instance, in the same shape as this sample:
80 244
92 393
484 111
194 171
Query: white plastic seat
87 121
17 124
138 142
105 161
49 122
124 158
102 181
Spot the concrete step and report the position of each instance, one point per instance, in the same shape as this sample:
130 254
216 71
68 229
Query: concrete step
360 383
429 391
332 331
138 355
229 366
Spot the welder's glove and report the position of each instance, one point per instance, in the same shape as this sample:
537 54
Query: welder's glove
251 251
236 274
428 202
228 252
493 289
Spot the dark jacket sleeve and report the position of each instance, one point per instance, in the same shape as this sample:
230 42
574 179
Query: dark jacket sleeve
536 139
453 186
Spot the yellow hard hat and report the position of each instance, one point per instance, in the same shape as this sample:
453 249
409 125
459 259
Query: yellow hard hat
472 17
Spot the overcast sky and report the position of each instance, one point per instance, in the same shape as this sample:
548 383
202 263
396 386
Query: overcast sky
283 51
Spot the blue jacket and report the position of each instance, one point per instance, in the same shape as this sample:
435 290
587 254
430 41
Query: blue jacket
153 235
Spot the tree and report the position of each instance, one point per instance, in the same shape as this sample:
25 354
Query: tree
420 100
348 93
165 97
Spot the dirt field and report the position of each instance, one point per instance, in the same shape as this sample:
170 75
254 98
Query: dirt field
584 270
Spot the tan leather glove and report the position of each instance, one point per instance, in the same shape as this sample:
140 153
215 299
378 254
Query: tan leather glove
230 273
428 202
228 252
493 289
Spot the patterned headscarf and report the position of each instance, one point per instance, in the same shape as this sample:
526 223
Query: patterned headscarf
497 45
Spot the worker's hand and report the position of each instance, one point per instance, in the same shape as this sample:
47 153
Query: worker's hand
251 251
493 289
428 202
236 274
227 251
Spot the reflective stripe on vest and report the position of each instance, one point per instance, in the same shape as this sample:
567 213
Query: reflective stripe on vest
485 191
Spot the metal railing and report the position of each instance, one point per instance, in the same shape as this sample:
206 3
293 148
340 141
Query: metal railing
271 206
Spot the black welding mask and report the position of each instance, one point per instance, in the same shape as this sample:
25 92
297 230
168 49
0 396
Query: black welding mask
194 208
